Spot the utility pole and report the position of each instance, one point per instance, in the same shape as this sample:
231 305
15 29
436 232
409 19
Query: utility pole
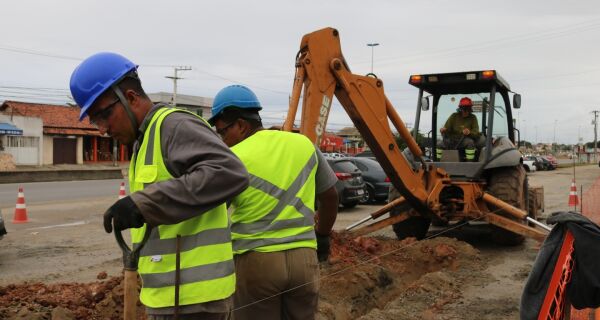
595 123
175 78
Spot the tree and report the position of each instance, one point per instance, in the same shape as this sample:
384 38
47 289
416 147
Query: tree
422 141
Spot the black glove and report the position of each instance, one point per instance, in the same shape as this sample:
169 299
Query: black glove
124 214
322 247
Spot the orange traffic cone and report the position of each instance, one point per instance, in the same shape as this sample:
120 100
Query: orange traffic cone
573 198
122 191
20 209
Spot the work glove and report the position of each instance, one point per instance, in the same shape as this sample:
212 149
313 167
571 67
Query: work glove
322 247
123 214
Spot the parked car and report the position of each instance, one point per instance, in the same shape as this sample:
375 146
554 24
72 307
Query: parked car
333 155
350 185
366 154
2 228
539 164
546 163
529 165
377 183
552 160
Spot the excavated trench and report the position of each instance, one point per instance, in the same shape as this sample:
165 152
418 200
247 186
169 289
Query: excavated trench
372 278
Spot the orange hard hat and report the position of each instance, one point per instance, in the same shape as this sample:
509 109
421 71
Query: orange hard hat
465 103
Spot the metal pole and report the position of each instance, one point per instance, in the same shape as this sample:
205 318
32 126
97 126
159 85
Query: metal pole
175 87
372 52
115 150
554 139
581 197
372 45
595 134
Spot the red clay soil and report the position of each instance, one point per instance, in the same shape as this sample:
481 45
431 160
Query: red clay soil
363 274
95 300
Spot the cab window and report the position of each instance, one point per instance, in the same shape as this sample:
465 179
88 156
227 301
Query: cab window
448 104
500 123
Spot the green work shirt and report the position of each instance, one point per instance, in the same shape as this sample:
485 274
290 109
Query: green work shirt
456 123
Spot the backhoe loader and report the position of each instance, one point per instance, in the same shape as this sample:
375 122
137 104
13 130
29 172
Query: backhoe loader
492 189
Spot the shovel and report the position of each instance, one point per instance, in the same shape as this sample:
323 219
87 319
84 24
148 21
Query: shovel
130 265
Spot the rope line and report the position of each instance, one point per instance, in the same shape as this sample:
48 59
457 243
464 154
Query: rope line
361 263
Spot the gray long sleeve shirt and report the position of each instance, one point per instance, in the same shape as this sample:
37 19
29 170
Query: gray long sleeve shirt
206 173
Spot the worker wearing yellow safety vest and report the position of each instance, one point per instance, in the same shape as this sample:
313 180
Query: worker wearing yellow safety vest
273 221
180 176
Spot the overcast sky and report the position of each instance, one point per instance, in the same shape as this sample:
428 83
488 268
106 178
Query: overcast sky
547 50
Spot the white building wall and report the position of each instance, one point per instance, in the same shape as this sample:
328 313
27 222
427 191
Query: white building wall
48 157
79 151
32 127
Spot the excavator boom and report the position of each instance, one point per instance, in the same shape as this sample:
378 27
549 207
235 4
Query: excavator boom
321 73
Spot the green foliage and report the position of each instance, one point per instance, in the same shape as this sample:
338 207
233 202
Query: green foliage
422 141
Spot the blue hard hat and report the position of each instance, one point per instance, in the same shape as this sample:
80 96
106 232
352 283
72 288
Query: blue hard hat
95 75
233 96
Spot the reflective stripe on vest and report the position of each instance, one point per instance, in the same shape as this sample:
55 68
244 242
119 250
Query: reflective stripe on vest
268 217
206 268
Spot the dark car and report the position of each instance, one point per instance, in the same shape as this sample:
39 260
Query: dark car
365 154
377 183
546 164
2 228
552 160
350 185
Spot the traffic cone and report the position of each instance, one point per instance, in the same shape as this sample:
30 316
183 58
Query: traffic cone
122 191
573 198
20 209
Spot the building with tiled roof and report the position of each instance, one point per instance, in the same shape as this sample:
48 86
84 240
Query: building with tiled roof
63 139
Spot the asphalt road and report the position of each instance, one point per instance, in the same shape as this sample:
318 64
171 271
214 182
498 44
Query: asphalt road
42 192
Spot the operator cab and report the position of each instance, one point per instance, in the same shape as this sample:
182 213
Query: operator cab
441 94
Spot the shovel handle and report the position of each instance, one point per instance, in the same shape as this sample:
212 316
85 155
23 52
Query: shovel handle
131 295
130 264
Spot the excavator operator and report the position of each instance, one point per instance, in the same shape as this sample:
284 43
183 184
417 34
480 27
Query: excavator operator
461 131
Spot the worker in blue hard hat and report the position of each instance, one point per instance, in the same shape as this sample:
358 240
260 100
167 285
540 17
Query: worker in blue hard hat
273 220
180 176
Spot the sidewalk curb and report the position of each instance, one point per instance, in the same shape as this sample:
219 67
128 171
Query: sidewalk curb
59 175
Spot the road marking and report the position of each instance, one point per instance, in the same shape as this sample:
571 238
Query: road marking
76 223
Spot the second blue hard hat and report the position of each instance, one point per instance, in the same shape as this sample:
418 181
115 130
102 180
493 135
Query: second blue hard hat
233 96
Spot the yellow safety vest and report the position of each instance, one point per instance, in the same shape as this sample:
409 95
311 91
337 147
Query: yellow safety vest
206 265
276 211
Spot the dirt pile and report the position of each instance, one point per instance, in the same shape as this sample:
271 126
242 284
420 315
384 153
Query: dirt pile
365 274
65 301
362 277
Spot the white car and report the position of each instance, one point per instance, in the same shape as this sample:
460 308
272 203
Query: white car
529 165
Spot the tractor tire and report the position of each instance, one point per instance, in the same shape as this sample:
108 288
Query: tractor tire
508 184
416 227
